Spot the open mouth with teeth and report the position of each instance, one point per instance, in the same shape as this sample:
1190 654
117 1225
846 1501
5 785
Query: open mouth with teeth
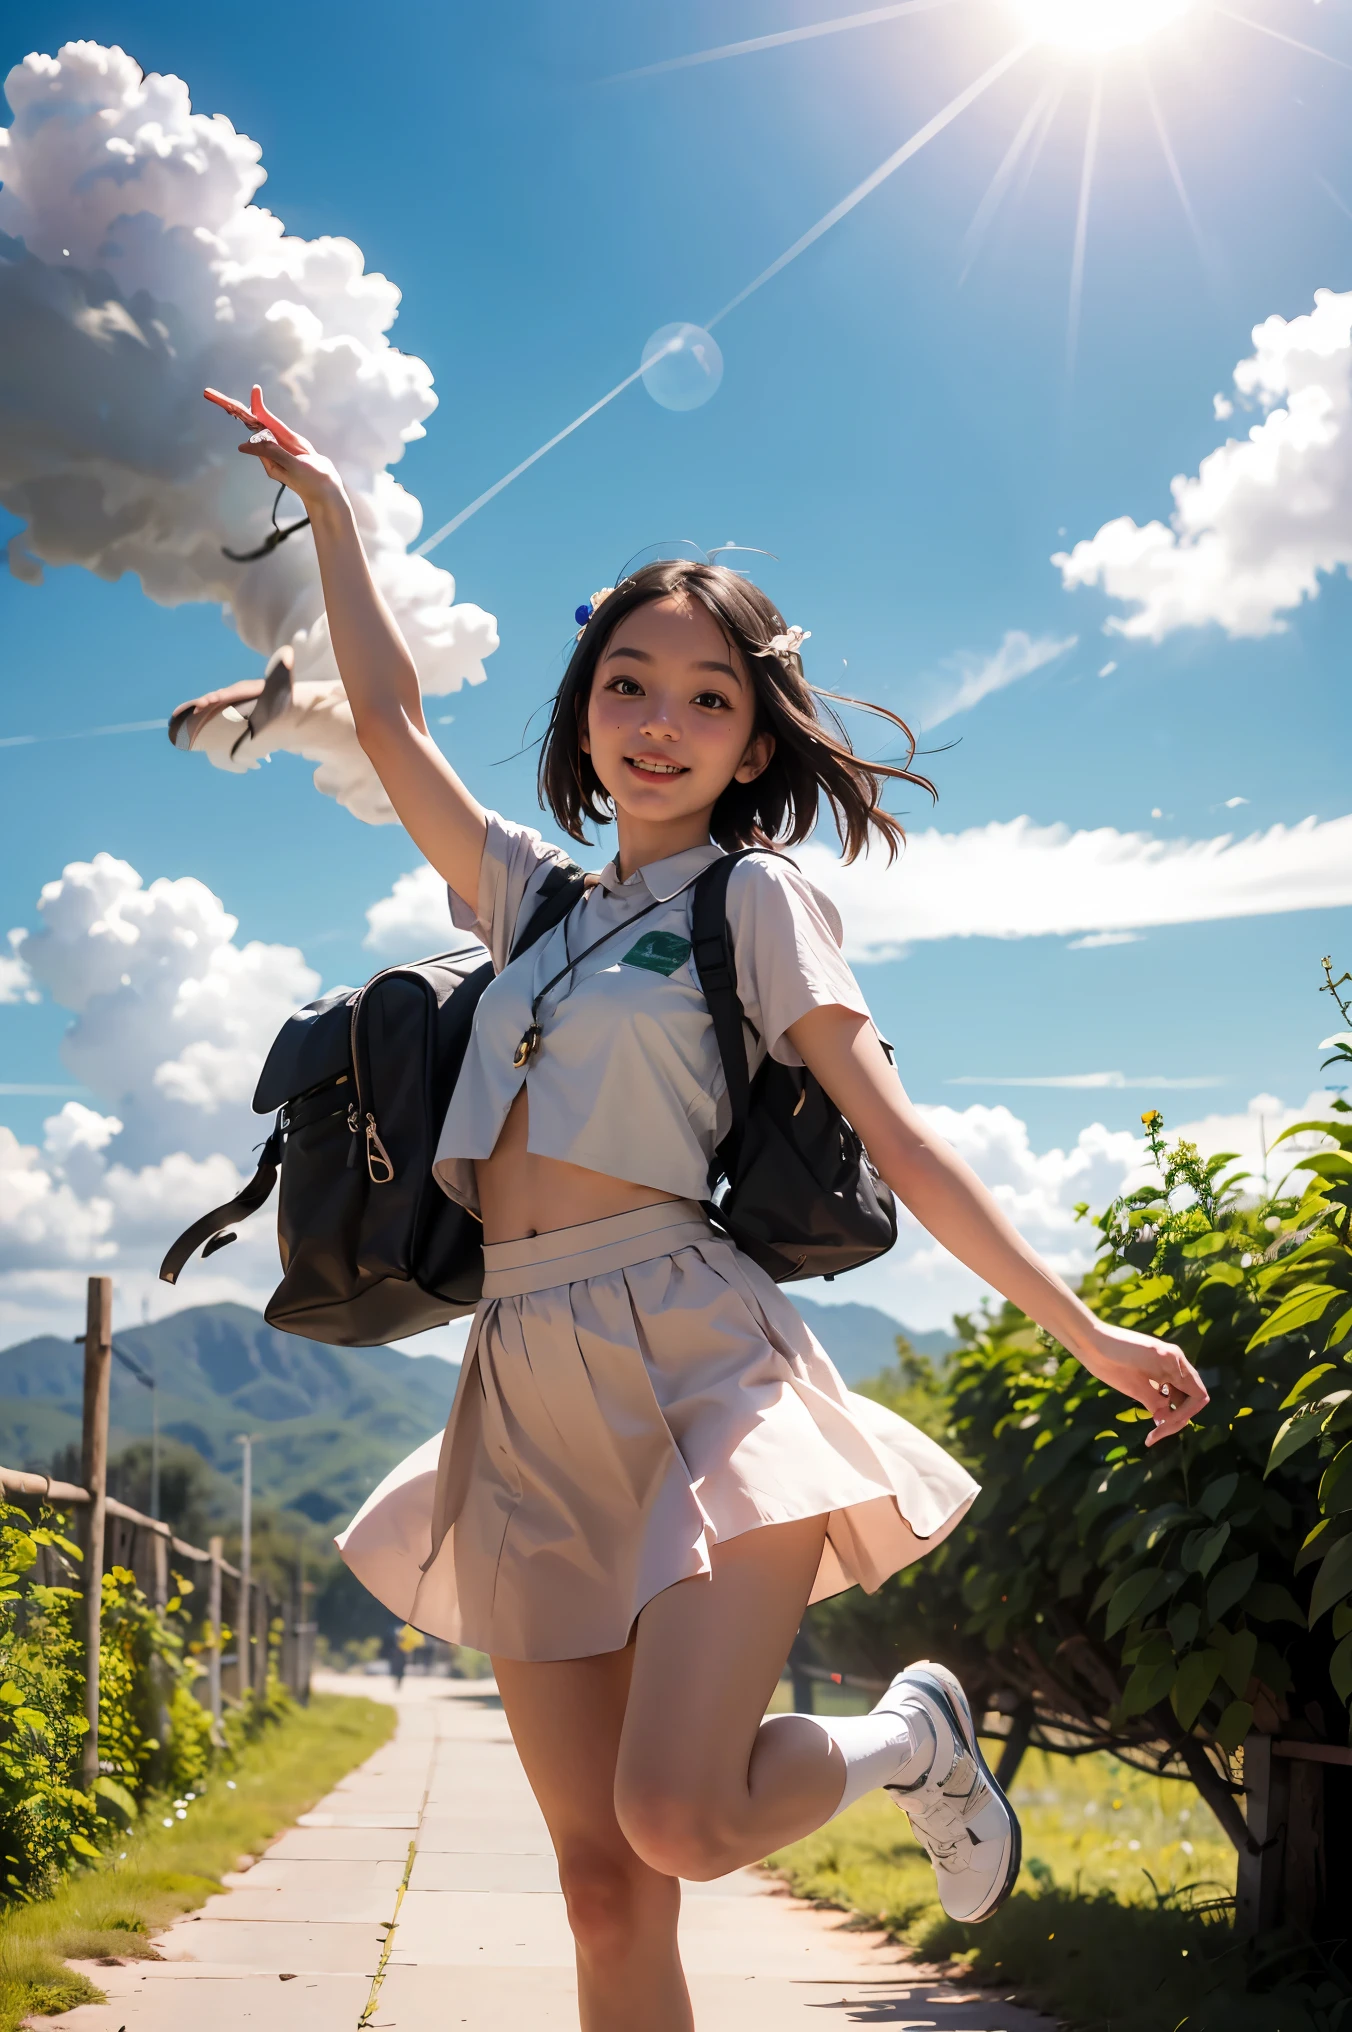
648 765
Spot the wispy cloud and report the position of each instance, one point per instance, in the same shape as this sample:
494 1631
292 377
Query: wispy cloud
1100 938
1088 1081
1020 880
964 680
84 733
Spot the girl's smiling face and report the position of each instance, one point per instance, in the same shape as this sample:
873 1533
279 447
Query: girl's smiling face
671 717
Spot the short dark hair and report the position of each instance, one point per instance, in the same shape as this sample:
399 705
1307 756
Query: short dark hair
812 759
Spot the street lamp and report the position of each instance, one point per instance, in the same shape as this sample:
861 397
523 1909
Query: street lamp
244 1641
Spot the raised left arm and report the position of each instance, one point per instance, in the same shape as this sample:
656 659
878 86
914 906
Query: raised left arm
948 1198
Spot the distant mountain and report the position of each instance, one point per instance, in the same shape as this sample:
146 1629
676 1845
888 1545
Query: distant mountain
862 1341
333 1421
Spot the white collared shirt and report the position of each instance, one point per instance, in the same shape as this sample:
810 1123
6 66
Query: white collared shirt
627 1079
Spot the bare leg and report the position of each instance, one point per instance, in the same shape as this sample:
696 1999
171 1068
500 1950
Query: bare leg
566 1720
704 1784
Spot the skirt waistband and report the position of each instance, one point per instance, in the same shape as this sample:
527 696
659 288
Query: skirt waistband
568 1255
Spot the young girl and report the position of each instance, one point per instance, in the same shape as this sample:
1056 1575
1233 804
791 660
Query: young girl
651 1467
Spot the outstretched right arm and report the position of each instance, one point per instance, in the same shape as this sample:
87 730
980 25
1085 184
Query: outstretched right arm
446 823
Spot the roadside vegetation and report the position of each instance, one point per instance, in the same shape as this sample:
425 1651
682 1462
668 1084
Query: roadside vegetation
172 1856
1145 1611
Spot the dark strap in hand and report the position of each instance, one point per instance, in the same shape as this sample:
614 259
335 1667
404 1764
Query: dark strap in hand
238 1209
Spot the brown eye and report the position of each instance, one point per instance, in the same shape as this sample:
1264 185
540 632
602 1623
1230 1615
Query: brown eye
627 687
711 698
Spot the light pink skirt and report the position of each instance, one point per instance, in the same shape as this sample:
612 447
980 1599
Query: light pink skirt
635 1391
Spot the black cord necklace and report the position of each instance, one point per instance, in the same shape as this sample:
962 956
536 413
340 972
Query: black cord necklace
532 1035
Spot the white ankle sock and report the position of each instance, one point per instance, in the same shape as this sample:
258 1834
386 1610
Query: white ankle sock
890 1746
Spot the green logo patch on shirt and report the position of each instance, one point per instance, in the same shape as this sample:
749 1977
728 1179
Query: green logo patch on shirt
661 952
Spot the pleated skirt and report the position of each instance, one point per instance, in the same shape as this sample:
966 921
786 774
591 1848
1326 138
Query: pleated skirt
634 1392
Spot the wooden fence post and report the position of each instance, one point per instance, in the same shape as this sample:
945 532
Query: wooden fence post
214 1613
1267 1796
94 1474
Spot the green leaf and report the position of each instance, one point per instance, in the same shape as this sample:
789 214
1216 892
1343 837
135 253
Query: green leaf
108 1788
9 1692
1302 1128
1340 1328
1300 1428
1333 1580
1205 1245
1327 1164
1150 1681
1234 1725
1183 1625
1335 1490
1269 1603
1294 1312
1340 1670
1128 1598
1201 1549
1317 1542
1217 1497
1238 1651
83 1847
1305 1387
1231 1585
1197 1675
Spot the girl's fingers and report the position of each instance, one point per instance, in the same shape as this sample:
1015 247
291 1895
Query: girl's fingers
284 434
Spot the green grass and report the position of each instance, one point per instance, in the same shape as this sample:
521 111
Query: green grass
1104 1929
157 1872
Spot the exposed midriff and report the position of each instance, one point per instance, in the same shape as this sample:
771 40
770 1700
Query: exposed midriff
522 1193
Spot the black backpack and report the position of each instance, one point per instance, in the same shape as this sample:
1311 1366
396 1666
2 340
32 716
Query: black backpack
800 1196
372 1249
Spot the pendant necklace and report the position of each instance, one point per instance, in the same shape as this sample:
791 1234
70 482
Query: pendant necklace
532 1035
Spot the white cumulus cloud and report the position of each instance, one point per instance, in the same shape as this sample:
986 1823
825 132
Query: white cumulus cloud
134 271
1265 515
172 1016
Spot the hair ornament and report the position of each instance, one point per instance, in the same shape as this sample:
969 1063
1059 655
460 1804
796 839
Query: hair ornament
584 613
790 643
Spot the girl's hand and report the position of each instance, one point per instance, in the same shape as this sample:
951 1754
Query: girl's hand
1156 1373
286 457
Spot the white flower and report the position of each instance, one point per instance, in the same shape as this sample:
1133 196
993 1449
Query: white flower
789 644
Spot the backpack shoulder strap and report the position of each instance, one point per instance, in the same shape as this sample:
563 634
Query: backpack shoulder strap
559 891
717 971
247 1201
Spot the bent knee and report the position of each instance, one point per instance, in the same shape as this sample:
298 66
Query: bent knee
611 1898
679 1836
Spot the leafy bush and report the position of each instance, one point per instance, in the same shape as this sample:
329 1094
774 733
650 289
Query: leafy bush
154 1735
1163 1601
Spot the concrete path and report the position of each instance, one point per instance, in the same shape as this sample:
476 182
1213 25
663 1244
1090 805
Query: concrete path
422 1895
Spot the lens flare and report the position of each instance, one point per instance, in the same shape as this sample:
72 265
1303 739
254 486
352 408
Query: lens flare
1096 26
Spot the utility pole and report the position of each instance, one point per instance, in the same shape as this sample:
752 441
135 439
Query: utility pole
244 1643
94 1473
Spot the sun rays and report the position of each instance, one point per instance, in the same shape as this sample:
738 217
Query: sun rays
1058 39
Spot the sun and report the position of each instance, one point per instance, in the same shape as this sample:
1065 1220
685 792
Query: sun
1096 26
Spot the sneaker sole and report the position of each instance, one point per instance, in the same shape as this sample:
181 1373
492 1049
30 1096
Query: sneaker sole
946 1690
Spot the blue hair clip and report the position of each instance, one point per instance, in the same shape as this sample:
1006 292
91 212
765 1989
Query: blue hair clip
583 614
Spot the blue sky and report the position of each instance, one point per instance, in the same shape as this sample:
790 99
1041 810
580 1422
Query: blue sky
913 448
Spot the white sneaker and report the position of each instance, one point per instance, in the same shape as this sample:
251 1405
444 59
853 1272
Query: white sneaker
958 1813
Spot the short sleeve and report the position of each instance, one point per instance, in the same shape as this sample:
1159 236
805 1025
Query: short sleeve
786 941
515 863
